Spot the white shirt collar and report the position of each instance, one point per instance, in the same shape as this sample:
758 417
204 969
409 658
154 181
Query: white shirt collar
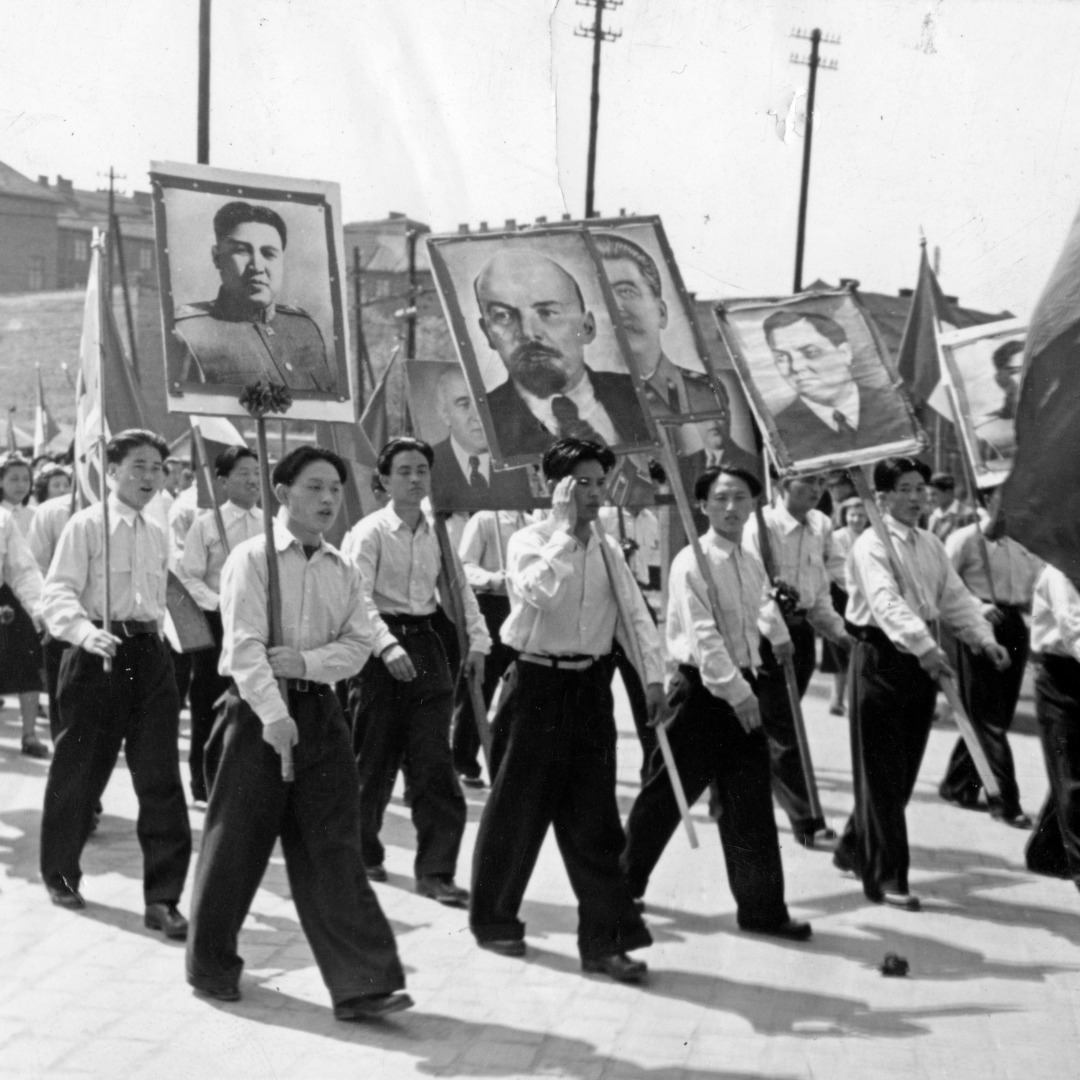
120 511
463 456
848 405
898 528
722 542
582 396
284 538
786 519
230 510
396 522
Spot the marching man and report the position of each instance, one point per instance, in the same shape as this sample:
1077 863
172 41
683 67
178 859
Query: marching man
553 745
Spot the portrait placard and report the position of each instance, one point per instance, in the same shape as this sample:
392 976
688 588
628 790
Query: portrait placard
984 364
819 380
536 330
464 476
251 272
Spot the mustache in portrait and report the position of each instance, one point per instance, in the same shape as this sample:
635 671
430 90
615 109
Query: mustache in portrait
532 366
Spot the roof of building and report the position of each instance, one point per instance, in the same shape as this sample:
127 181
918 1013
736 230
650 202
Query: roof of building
14 184
383 246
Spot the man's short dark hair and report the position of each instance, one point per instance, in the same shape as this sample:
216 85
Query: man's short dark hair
943 481
240 213
1003 354
230 457
704 483
887 473
562 458
614 246
288 469
377 484
400 446
823 324
127 442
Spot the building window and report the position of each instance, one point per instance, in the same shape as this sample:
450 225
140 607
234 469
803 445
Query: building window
36 273
146 258
80 249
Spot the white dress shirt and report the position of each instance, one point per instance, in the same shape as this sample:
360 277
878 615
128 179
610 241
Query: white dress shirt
588 406
181 516
802 554
49 521
138 572
18 567
483 548
399 568
562 603
1055 616
23 515
462 455
643 529
875 597
746 611
203 558
1013 569
323 616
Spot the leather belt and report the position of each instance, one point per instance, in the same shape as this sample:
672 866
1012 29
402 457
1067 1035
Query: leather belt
408 624
565 663
129 627
305 686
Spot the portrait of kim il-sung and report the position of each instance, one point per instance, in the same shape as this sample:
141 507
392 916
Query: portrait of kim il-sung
251 279
819 379
534 322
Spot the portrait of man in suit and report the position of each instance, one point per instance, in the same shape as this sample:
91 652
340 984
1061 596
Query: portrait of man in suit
533 315
246 333
832 410
462 477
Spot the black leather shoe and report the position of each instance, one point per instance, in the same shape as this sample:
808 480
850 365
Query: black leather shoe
639 904
375 873
843 862
902 900
792 930
617 966
65 896
442 889
504 946
1015 821
372 1007
476 782
216 993
165 917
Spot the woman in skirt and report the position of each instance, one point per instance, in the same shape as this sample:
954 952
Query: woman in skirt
20 643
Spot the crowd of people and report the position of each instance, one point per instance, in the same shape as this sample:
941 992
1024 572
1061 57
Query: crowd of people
302 719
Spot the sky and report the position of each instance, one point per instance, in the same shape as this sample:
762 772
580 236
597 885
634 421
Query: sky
957 119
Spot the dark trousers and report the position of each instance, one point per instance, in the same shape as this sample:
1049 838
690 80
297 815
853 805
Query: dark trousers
892 708
788 778
53 651
206 687
1054 847
134 705
553 752
710 746
466 737
316 818
990 698
396 718
182 664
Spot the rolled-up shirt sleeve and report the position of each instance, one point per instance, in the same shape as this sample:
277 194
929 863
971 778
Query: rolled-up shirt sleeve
362 547
192 568
962 611
893 614
471 551
538 569
61 600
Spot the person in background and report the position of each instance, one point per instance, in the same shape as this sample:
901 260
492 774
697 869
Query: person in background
852 519
20 672
50 482
948 514
199 570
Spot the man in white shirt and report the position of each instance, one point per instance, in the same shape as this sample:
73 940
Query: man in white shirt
716 729
553 745
199 570
990 696
894 667
1054 847
800 540
134 704
279 762
403 699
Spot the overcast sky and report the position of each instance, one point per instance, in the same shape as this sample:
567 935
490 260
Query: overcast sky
959 117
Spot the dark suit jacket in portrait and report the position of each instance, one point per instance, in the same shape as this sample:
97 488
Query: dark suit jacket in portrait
882 419
221 344
508 489
519 432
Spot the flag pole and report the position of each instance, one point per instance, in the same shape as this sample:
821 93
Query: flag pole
106 592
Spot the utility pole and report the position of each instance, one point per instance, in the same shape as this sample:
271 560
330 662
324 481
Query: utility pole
599 35
410 312
202 155
814 62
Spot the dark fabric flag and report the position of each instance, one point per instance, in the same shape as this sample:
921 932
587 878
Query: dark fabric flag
1040 504
917 359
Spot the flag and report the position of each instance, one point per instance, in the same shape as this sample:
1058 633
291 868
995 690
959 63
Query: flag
102 364
1040 505
217 435
45 429
375 421
918 359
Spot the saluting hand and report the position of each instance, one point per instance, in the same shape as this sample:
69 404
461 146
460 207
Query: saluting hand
998 655
398 663
563 507
101 643
748 713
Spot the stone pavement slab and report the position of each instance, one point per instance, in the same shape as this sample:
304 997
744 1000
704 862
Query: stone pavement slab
993 994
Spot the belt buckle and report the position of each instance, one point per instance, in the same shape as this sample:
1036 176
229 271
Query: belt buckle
302 685
122 624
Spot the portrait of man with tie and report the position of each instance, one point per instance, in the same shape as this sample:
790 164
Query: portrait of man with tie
819 381
537 340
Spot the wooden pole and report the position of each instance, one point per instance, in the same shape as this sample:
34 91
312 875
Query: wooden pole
202 154
948 686
106 591
804 186
273 581
208 477
594 111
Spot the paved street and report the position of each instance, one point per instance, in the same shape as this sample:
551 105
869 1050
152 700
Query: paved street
993 993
